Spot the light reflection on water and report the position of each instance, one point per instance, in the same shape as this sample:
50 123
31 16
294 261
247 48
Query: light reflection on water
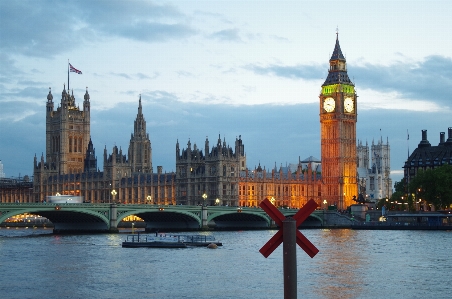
350 264
342 269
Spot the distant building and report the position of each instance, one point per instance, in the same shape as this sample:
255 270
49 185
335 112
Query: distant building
210 177
374 180
2 174
16 190
426 156
70 163
285 187
338 116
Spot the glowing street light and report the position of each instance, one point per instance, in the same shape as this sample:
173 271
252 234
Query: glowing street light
113 193
204 197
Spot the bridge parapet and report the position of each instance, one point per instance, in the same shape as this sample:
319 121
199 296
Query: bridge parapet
106 216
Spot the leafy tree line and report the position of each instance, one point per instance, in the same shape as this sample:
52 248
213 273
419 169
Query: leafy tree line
433 186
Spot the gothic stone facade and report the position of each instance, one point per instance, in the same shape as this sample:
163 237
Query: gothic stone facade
211 178
338 116
374 174
70 166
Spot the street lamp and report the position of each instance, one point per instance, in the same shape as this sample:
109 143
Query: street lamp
324 204
272 200
149 198
204 197
217 202
113 193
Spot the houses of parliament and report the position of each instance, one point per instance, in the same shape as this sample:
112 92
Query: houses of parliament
213 175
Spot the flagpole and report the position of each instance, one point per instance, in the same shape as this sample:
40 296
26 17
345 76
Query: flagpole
68 75
408 142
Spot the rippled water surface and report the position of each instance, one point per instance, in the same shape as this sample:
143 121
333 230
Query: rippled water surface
351 264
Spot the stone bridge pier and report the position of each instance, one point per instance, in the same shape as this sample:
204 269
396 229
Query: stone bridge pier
113 218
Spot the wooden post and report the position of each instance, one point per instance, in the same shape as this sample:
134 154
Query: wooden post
290 258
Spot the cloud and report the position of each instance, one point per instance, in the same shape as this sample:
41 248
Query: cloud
144 76
185 74
48 28
226 35
33 93
307 72
121 75
140 76
429 80
8 70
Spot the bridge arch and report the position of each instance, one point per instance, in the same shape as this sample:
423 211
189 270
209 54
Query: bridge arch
158 218
238 219
64 217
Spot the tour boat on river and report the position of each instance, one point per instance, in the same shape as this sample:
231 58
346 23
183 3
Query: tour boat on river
169 241
137 240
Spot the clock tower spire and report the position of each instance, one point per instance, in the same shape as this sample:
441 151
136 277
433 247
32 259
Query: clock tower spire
338 116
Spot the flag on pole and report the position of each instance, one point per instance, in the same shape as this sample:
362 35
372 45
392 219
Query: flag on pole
74 70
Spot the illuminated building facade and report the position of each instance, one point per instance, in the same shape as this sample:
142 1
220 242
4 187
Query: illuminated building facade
211 178
338 116
284 187
17 190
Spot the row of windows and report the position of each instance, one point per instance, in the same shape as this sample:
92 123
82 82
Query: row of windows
75 144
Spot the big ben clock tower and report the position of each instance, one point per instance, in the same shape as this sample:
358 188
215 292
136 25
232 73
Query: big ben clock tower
338 115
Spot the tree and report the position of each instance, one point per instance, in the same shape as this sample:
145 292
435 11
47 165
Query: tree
434 186
399 193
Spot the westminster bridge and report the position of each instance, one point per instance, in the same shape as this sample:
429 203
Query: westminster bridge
70 217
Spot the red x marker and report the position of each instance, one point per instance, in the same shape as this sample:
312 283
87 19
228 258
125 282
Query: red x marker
278 217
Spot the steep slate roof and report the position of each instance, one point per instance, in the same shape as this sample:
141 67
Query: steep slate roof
426 155
337 53
337 76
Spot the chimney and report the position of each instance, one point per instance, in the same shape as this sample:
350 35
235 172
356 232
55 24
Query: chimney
424 142
441 138
449 135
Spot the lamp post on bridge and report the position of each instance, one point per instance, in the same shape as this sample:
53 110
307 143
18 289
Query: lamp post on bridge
149 198
204 197
272 200
113 193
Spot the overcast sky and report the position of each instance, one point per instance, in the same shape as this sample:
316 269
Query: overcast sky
229 68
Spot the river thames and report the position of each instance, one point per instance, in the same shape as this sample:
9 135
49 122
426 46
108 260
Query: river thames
351 264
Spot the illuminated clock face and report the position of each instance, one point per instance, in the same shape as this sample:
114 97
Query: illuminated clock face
329 104
348 105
